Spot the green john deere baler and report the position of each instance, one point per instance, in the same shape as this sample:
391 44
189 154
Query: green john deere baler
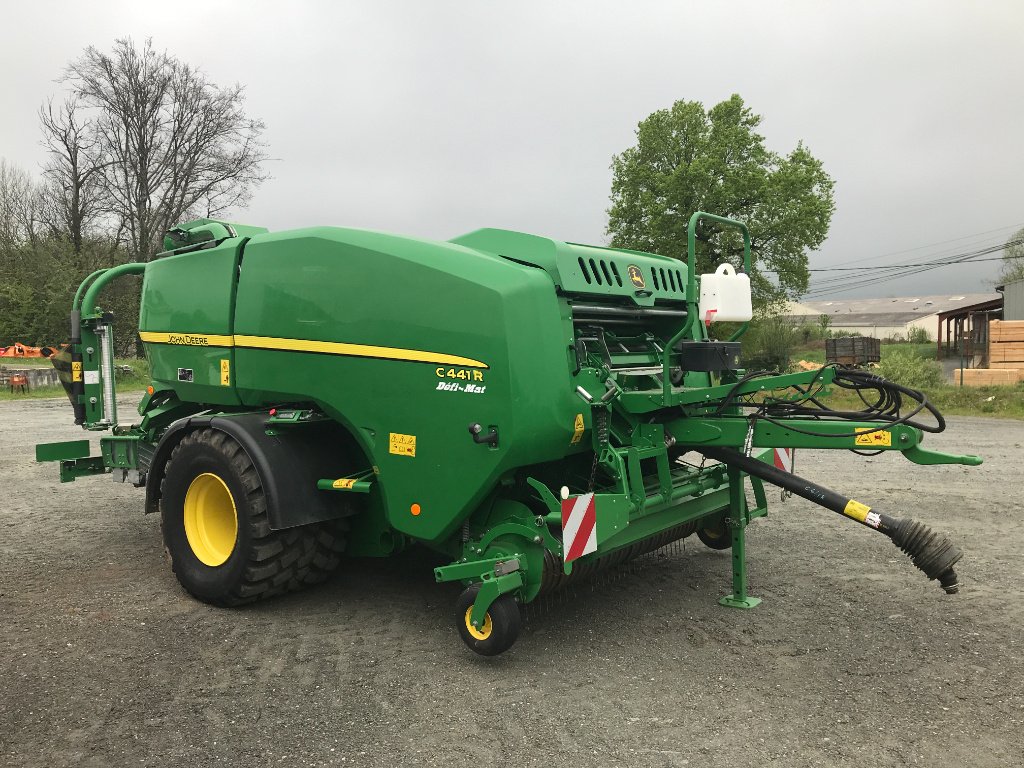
534 410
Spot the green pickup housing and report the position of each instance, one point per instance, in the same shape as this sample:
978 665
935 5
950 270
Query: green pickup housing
455 394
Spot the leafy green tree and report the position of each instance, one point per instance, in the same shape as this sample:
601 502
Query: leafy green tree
1013 258
687 159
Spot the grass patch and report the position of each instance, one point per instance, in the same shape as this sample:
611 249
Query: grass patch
950 399
39 393
814 352
997 402
24 362
132 380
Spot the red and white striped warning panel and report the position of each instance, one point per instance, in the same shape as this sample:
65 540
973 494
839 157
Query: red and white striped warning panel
579 527
784 459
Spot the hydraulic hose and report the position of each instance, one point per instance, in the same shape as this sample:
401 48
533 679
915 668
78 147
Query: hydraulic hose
931 552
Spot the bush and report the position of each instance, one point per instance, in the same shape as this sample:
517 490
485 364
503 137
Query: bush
916 335
809 332
131 371
906 367
768 344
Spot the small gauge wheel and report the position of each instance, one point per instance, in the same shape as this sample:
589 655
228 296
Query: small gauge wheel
715 534
499 629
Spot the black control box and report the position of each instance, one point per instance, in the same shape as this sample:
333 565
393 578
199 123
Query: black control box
711 356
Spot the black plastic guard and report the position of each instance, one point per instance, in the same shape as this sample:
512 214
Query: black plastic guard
289 463
64 362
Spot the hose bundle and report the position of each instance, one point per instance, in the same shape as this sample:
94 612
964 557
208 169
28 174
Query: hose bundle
884 401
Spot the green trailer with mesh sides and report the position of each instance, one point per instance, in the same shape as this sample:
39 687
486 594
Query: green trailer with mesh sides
533 410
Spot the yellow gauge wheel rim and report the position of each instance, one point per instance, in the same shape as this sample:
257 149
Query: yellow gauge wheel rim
211 520
711 533
478 634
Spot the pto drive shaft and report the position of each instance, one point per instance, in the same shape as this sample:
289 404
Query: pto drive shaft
931 552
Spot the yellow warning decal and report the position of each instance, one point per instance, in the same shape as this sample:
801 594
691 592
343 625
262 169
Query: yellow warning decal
76 371
402 445
873 438
345 482
856 510
577 429
225 373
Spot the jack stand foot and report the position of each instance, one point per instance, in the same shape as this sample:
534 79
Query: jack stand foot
738 517
731 601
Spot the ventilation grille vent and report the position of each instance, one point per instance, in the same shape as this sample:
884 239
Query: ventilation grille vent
600 271
667 279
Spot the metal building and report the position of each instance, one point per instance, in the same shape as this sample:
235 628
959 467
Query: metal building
1013 300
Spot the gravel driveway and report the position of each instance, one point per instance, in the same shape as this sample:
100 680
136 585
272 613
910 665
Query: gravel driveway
853 658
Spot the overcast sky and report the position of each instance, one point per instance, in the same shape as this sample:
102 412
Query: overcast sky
436 118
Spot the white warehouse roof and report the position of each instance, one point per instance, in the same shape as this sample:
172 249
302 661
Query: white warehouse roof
898 309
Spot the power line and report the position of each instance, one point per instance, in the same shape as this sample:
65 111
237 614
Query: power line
960 258
932 245
858 269
926 263
885 274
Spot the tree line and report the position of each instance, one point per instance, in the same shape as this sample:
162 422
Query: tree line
138 142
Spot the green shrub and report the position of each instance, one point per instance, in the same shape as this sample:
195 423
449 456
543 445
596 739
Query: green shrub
809 332
906 367
768 344
917 335
131 371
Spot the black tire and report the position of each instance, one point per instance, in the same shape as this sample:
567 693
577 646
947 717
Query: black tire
262 563
715 535
504 619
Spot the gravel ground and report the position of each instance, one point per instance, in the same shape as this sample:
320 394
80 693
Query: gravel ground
853 658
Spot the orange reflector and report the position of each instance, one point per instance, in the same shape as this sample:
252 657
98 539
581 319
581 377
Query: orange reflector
149 390
415 509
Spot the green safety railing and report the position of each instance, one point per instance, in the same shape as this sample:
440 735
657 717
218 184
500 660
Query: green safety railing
691 289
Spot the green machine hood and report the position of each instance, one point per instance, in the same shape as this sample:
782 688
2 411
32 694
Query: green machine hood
588 269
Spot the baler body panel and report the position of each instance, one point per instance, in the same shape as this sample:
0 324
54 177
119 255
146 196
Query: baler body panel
186 321
406 342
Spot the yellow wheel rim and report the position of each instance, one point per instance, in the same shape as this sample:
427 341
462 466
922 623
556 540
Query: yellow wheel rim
711 533
211 520
478 634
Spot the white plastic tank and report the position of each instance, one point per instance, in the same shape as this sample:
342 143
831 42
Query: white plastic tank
725 296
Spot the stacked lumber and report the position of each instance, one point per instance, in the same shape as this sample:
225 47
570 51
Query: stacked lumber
989 377
1006 330
1006 344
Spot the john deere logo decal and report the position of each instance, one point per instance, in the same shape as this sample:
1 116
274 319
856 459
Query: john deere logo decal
636 277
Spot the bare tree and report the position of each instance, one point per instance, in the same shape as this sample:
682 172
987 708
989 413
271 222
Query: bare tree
170 144
20 206
74 171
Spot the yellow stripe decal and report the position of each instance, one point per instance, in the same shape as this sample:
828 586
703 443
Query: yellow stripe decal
307 345
355 350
